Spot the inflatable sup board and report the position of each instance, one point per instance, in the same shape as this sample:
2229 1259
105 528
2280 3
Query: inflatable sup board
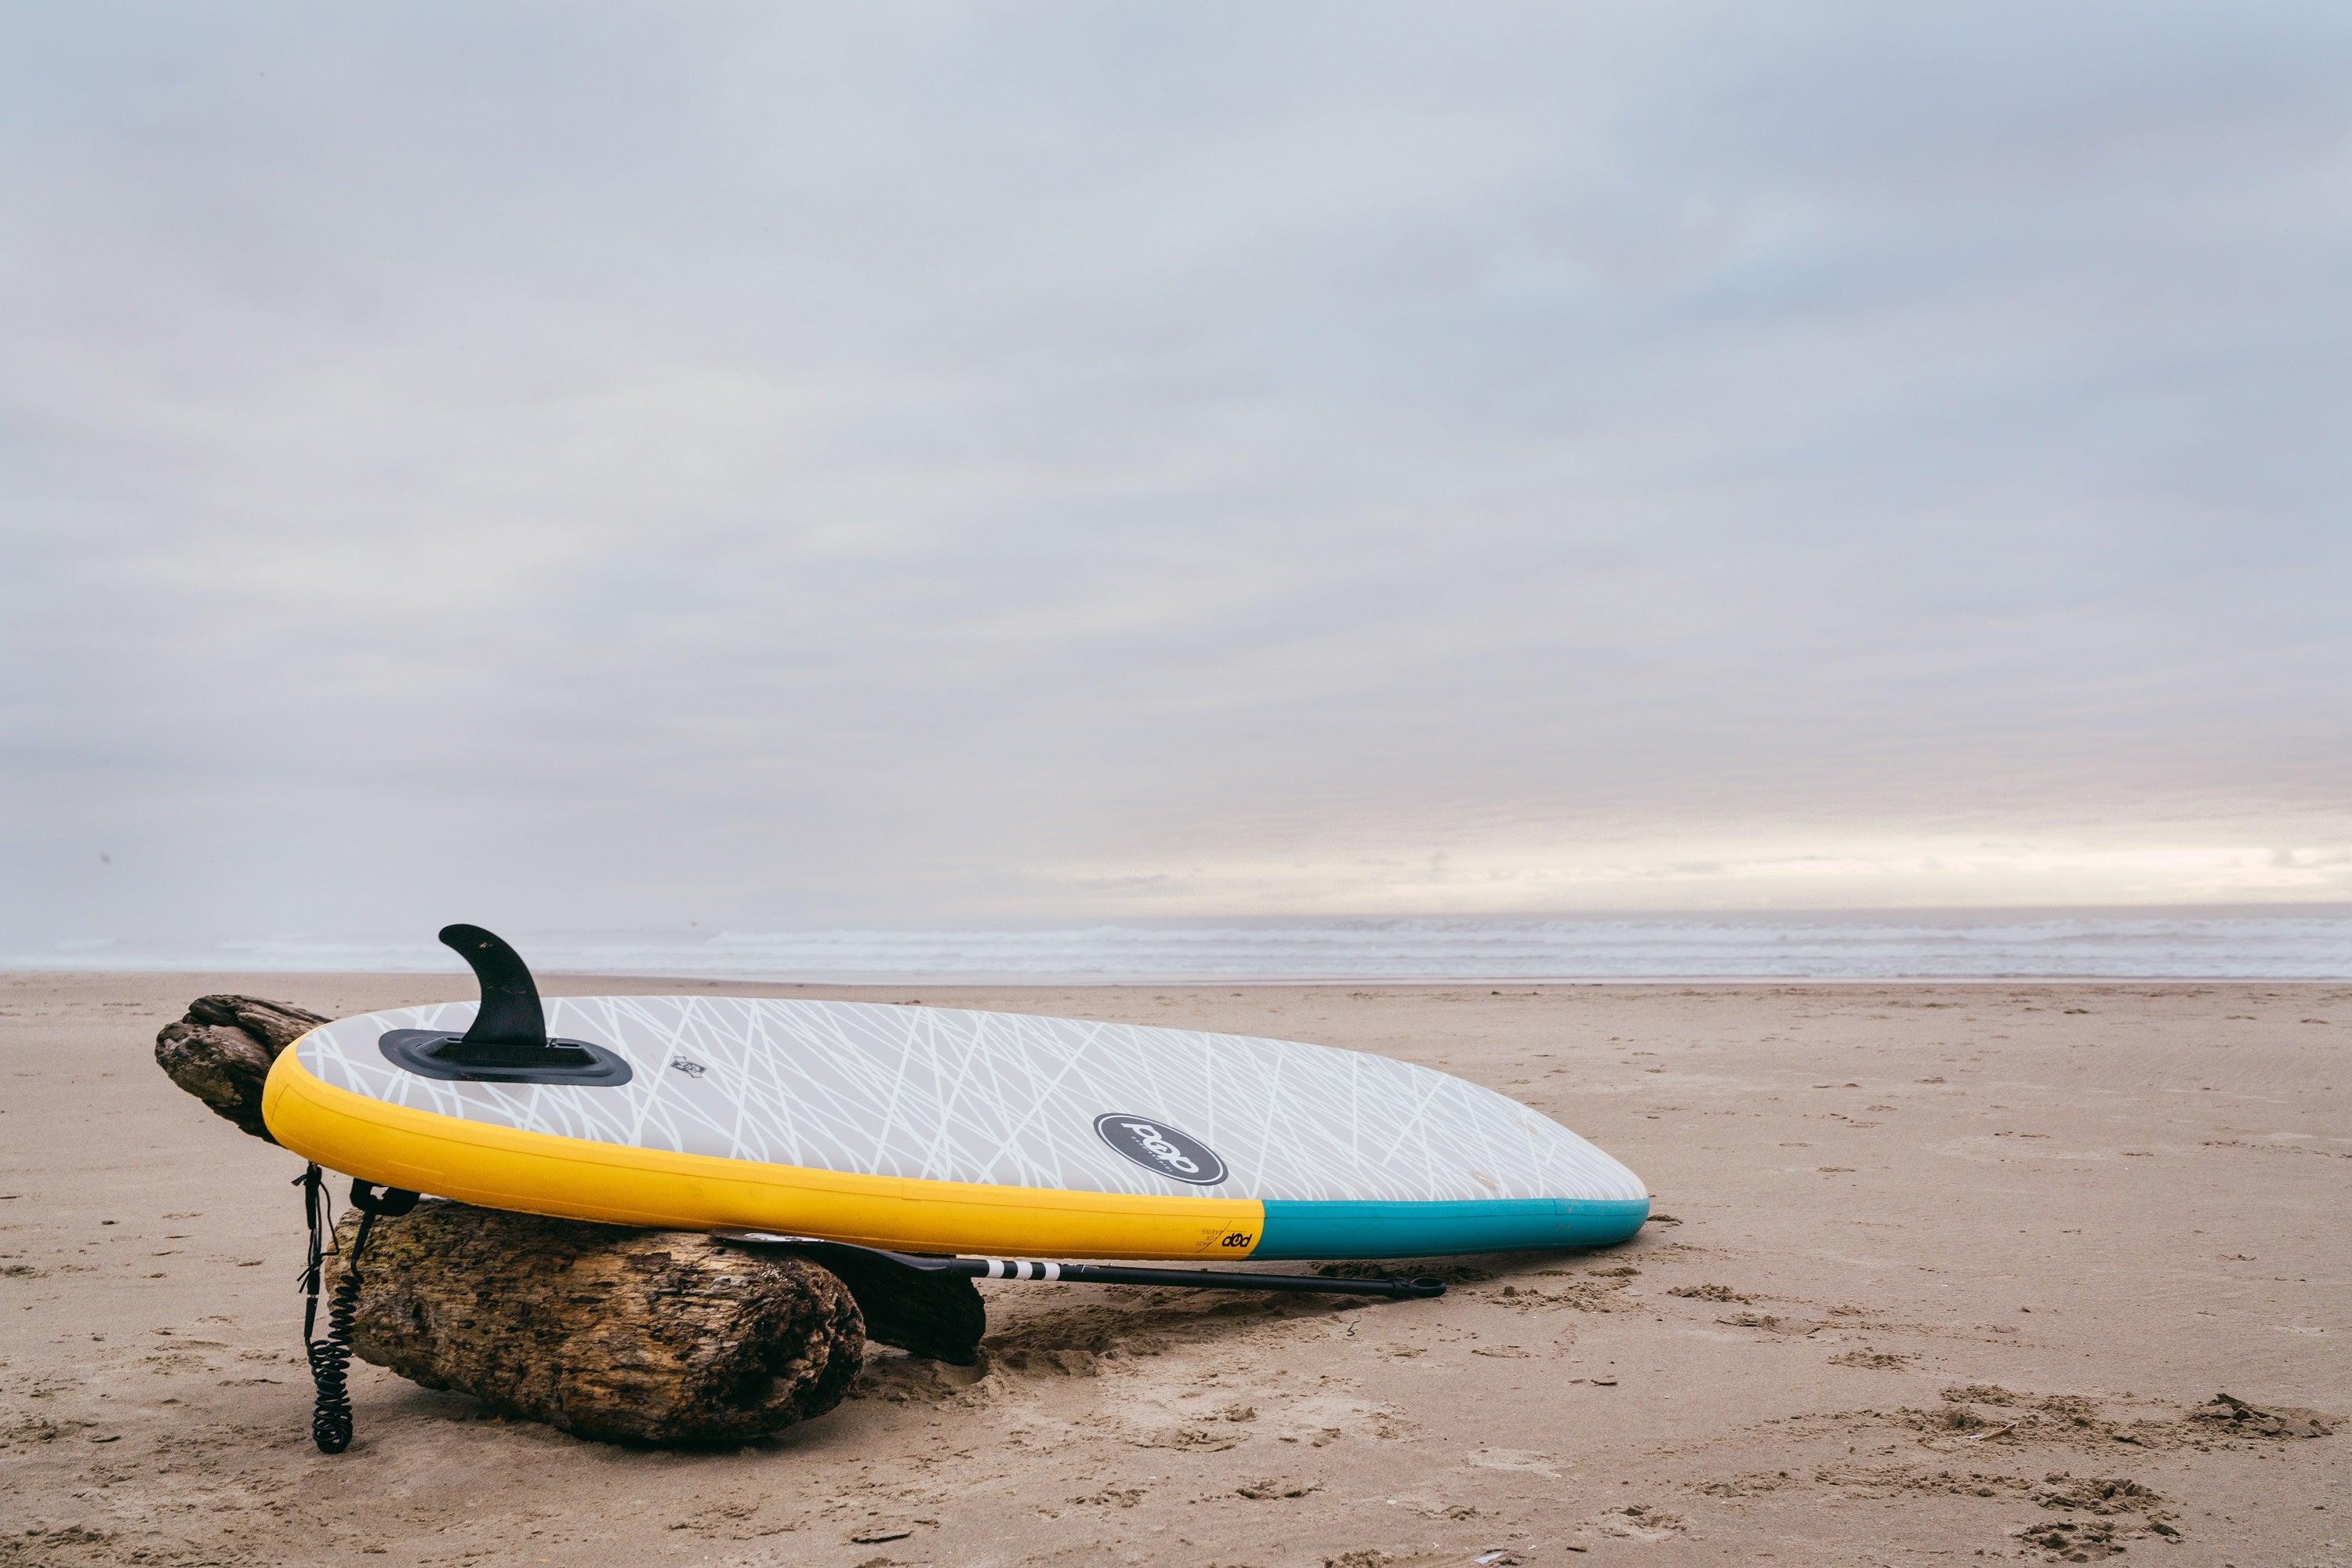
931 1130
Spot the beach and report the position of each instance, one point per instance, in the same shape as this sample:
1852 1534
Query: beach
1937 1273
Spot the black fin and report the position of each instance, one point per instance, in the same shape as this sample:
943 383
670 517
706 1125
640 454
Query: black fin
511 1028
508 1042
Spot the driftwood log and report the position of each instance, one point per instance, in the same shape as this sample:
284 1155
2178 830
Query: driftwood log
222 1050
643 1336
669 1337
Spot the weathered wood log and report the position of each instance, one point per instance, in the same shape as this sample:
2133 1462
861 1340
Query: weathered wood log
222 1050
642 1336
652 1336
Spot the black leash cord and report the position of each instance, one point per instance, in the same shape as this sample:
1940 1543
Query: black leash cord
330 1358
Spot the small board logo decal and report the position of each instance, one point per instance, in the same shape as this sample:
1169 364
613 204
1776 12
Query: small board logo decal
690 1068
1156 1146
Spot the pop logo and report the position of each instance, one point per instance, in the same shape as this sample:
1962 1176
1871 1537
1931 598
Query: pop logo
1160 1149
1152 1143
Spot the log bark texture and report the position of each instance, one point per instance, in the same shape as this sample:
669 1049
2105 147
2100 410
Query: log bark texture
639 1336
222 1050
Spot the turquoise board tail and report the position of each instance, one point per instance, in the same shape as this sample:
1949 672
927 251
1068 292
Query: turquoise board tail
1340 1230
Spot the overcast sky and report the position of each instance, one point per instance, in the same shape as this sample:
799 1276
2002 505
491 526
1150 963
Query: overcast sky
587 466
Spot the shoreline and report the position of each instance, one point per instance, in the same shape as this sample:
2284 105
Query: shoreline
575 979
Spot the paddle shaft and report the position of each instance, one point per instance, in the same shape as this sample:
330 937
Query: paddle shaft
1196 1278
1104 1273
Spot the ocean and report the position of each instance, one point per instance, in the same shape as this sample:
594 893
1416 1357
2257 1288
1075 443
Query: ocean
2291 942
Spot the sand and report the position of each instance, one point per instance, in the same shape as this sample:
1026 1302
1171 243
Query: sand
1940 1273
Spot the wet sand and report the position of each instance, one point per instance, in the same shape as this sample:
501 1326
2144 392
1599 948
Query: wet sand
1940 1273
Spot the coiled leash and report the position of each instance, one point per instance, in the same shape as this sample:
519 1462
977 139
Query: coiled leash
330 1358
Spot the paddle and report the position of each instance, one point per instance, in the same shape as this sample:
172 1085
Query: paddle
1090 1273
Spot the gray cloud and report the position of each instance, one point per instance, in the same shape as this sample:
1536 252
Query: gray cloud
613 465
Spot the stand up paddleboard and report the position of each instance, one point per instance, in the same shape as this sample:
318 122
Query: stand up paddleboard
932 1131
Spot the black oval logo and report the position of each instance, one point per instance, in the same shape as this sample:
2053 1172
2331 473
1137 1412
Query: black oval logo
1156 1146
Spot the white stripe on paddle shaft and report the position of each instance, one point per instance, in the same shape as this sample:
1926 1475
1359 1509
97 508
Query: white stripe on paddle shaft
1014 1269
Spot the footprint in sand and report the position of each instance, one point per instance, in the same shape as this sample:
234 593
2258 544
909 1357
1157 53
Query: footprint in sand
1525 1459
1636 1521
